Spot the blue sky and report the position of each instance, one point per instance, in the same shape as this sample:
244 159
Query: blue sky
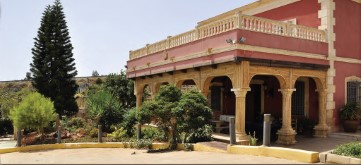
102 31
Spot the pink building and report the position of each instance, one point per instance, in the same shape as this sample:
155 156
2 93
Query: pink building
299 60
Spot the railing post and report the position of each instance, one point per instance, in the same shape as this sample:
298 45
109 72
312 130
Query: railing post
18 142
239 20
100 134
232 131
267 130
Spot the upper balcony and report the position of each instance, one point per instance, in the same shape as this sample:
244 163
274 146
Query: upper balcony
238 21
206 44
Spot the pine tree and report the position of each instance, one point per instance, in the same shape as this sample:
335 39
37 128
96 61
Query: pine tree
53 67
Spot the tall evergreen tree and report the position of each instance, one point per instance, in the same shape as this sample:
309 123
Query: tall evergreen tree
53 67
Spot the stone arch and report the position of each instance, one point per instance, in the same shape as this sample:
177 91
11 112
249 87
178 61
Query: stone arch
281 80
180 82
159 84
207 82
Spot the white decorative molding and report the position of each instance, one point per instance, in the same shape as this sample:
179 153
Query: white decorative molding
348 60
269 6
358 1
235 47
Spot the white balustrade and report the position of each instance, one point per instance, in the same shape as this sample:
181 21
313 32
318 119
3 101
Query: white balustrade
244 22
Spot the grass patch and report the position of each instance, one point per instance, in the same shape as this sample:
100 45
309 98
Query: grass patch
352 149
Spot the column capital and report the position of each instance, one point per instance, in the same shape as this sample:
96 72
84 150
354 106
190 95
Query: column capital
240 92
287 91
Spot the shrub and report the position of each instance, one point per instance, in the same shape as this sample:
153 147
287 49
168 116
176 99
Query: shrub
352 149
105 109
193 117
129 120
350 111
93 132
201 134
142 144
119 134
34 112
154 134
72 124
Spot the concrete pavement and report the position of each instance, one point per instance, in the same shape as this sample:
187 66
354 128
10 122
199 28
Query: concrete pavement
120 156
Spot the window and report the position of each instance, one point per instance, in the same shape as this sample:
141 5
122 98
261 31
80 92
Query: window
353 92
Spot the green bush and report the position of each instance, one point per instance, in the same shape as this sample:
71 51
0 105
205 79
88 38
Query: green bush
34 112
119 134
72 124
352 149
129 120
93 132
193 117
142 144
154 133
104 109
200 135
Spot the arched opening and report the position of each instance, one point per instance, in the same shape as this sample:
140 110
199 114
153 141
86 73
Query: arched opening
146 93
187 85
220 97
263 98
305 105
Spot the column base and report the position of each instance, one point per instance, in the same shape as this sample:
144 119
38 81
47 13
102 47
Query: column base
321 131
286 137
242 139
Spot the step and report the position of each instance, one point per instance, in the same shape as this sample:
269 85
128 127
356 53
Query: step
346 135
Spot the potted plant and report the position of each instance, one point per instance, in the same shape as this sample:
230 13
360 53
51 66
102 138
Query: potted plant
350 114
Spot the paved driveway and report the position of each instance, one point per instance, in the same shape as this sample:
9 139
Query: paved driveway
121 156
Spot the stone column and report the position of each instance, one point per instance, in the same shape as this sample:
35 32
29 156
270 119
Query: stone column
241 113
139 97
286 135
321 130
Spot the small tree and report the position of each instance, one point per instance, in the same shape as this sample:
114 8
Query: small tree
34 112
122 88
161 110
193 117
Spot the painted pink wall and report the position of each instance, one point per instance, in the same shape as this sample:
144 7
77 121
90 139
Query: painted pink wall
305 12
343 70
217 41
348 29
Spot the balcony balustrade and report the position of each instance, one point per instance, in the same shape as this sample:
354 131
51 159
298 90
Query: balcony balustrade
237 21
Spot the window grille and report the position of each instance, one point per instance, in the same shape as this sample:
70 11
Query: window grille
353 92
298 99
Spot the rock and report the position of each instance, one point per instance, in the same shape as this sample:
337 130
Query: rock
79 134
81 131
